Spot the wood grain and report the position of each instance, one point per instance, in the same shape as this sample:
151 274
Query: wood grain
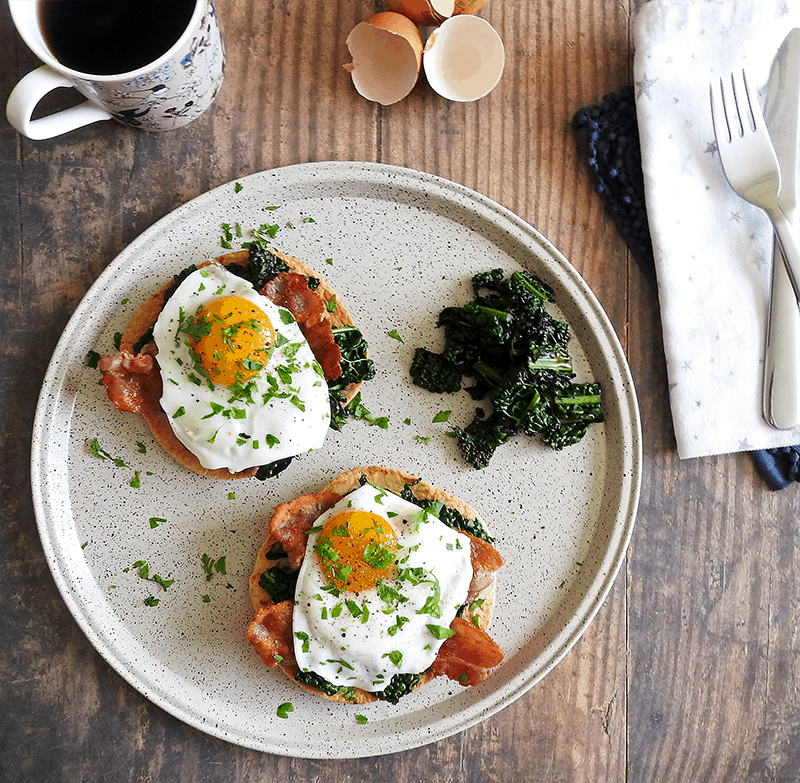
690 670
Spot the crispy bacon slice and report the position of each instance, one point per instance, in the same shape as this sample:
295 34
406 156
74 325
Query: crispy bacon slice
132 381
290 290
270 632
485 561
467 656
291 521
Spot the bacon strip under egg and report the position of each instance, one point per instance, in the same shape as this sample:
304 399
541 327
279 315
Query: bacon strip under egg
290 290
467 657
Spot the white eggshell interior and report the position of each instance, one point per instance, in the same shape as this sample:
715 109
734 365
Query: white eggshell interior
384 67
444 7
464 58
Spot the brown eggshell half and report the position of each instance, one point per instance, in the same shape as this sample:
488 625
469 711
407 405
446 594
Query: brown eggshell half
387 57
424 12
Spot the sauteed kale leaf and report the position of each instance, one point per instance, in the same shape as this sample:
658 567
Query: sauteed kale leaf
515 352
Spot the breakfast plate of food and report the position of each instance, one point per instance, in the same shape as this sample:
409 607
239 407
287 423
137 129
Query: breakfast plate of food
336 460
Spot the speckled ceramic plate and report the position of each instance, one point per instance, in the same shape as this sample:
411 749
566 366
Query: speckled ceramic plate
398 245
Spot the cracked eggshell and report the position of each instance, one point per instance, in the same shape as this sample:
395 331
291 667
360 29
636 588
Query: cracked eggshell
464 58
387 57
425 12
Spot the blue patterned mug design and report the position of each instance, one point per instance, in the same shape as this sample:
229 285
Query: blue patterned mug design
169 93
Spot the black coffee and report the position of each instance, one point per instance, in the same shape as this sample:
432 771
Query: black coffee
112 36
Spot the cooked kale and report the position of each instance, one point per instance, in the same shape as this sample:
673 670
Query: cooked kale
262 265
516 353
279 583
400 685
356 367
450 516
315 681
273 468
276 552
433 372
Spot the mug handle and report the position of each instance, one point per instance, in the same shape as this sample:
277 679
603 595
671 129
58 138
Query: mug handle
27 94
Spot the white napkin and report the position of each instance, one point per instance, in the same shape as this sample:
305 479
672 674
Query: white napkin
713 250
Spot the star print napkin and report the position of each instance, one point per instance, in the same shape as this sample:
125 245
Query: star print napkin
713 251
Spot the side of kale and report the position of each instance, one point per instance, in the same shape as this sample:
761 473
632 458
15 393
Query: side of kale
517 356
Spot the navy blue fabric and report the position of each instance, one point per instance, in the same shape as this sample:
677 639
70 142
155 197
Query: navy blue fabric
608 140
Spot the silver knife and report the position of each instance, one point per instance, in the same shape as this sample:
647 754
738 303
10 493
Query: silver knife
781 395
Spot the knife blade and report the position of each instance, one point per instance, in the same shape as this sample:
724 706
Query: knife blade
781 391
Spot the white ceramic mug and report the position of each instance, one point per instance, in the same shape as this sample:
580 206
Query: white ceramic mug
171 91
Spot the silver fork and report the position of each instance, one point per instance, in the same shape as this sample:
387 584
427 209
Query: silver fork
750 163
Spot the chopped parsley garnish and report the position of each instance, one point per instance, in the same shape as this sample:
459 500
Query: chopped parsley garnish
399 622
378 556
395 335
136 480
98 451
395 656
156 521
441 416
237 187
303 637
210 566
440 632
284 709
144 573
361 719
390 596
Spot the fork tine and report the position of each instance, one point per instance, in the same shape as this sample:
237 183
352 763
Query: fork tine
718 112
752 112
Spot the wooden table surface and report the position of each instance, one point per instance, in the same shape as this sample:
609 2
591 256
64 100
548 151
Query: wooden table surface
691 669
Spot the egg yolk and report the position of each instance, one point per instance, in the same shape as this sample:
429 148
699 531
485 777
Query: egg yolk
237 341
356 550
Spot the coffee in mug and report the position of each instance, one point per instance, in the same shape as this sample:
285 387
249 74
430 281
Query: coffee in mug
150 64
112 36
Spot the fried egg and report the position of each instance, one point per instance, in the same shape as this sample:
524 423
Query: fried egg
381 581
241 386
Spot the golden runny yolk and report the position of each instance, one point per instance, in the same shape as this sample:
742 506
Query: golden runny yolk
238 342
357 549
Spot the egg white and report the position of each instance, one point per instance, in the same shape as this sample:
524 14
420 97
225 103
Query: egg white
237 434
330 635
